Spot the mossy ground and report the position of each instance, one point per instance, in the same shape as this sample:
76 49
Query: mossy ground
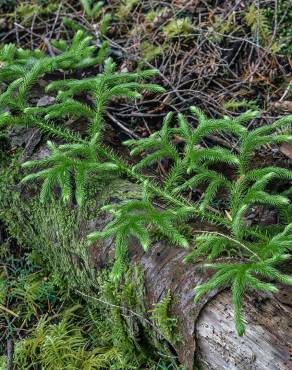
47 305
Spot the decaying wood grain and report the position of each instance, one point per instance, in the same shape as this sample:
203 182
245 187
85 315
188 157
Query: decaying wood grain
266 344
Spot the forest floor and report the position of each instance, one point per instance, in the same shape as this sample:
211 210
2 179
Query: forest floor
222 56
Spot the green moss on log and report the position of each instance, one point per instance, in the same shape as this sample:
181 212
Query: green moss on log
56 234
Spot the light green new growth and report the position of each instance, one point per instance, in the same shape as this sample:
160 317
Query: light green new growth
178 27
25 68
91 9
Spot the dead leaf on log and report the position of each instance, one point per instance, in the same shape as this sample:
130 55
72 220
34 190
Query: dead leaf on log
286 149
283 105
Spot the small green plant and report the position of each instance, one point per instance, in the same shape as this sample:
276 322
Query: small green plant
165 323
221 26
92 10
27 9
178 27
65 161
246 190
233 104
136 218
150 51
258 21
152 15
282 11
125 8
84 157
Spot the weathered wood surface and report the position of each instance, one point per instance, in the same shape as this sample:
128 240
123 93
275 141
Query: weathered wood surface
266 344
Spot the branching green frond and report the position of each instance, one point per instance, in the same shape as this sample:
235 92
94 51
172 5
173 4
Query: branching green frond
159 141
65 162
204 176
279 172
136 216
210 126
242 277
211 155
102 88
280 244
175 176
209 245
32 66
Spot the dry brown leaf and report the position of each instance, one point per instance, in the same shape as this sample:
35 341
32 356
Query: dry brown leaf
286 149
283 105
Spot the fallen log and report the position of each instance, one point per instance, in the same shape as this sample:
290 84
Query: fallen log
206 329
